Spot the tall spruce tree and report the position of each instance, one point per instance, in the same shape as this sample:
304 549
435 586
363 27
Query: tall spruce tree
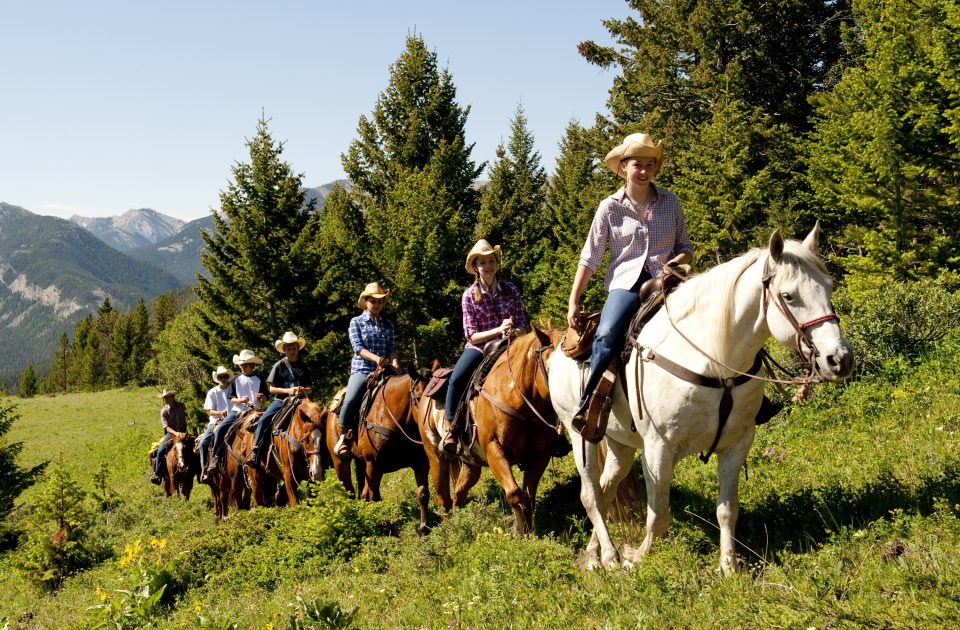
58 382
28 383
260 259
117 372
411 175
138 325
884 156
513 211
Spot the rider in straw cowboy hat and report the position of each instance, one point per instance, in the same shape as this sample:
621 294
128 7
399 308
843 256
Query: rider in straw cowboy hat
247 388
374 346
173 417
491 310
216 404
643 226
288 377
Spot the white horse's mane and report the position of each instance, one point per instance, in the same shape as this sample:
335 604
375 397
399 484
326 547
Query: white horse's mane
708 296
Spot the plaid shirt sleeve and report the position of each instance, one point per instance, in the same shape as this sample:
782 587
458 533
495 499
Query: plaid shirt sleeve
355 341
469 316
597 238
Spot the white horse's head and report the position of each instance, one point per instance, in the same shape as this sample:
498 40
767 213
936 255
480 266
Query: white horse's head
798 308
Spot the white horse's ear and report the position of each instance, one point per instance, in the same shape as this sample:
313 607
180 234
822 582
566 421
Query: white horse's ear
776 245
812 242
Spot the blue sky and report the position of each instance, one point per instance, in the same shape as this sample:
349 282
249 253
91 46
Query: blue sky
108 106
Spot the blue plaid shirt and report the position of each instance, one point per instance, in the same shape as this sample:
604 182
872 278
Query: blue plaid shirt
366 334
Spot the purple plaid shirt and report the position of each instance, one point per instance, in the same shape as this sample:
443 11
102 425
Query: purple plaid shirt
490 312
366 334
649 236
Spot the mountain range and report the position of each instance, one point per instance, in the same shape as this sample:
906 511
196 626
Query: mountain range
133 228
52 273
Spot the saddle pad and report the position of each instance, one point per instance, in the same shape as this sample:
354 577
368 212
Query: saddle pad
437 387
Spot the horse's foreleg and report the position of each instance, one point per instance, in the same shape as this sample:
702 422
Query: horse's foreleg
728 502
439 476
468 478
371 486
517 499
421 473
658 472
289 483
533 472
600 550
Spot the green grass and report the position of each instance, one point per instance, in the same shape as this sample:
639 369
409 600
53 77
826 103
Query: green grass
855 525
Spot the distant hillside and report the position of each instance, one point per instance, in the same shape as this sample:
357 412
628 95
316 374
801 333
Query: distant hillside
133 228
52 273
180 253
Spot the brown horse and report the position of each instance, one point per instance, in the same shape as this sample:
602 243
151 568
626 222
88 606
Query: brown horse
182 466
387 440
293 456
514 425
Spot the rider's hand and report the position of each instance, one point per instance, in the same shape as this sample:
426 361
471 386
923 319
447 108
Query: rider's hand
395 364
246 399
573 310
382 361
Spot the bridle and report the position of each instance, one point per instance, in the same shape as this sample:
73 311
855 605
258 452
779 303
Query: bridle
801 338
539 366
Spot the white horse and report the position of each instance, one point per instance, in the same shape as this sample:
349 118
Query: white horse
715 321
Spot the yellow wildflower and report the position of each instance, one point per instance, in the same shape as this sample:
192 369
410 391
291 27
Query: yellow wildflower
197 607
101 594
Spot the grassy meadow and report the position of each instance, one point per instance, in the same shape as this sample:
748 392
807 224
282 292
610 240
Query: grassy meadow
849 519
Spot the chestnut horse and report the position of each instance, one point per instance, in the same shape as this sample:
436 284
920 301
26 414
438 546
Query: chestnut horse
293 455
387 440
514 425
228 482
182 466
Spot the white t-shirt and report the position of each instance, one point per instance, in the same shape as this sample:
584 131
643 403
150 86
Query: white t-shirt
216 401
243 385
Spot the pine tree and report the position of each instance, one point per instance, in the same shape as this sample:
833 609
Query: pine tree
58 382
28 383
119 355
138 327
884 155
260 259
13 479
163 309
411 175
79 370
513 211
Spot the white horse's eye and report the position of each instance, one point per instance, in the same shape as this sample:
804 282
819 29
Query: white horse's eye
787 297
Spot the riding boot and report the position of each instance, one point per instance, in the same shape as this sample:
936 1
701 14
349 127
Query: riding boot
451 439
213 464
343 446
768 409
252 460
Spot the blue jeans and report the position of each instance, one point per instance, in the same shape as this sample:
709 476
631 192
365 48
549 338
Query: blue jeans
618 310
220 434
460 378
204 440
265 419
161 455
351 401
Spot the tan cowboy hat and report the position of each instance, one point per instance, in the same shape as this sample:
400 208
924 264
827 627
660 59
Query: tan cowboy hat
634 145
482 248
246 356
289 337
166 392
373 290
221 370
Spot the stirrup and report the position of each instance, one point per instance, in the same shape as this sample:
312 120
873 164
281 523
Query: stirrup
342 447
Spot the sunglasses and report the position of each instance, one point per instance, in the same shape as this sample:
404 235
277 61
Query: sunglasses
223 377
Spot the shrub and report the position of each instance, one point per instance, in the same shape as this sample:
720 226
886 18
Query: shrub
898 322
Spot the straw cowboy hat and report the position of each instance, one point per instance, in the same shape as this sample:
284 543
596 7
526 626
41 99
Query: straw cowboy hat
373 290
166 392
634 145
289 337
246 356
482 248
221 370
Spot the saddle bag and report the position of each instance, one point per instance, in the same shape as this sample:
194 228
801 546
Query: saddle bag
437 387
337 401
577 343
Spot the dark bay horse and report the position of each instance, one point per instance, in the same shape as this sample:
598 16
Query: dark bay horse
387 440
182 466
228 483
514 425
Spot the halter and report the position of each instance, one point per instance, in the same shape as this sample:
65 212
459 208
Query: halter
802 338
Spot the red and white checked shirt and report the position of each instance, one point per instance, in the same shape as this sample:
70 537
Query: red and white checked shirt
650 236
490 312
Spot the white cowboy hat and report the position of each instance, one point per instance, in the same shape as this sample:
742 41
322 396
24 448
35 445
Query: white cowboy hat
634 145
221 370
246 356
373 290
289 337
482 248
166 392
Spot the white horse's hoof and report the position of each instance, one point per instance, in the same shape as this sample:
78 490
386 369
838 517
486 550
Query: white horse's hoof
610 560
